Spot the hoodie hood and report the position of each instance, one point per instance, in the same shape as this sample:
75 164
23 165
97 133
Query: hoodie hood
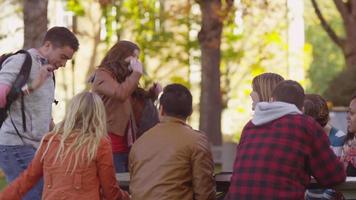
266 112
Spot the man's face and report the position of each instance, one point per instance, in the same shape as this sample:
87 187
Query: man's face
58 56
351 117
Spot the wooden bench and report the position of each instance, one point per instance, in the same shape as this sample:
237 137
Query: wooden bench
348 188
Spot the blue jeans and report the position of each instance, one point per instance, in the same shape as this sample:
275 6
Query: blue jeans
121 162
15 159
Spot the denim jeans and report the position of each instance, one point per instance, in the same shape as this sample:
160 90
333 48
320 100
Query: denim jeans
121 162
15 159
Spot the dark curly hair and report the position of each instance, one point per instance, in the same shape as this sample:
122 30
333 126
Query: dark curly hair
316 107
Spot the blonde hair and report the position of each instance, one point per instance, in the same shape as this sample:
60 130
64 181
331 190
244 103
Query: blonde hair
86 120
264 85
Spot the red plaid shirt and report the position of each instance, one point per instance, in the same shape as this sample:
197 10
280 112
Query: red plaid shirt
275 160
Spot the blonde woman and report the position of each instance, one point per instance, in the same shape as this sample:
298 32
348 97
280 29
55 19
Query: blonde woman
263 86
75 159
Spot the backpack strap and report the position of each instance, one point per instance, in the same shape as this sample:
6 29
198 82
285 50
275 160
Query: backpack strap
17 131
15 90
21 79
55 101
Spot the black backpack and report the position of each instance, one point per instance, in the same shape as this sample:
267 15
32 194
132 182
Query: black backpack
146 113
149 117
15 90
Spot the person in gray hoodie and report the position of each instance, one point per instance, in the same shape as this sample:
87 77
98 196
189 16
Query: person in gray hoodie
23 129
280 149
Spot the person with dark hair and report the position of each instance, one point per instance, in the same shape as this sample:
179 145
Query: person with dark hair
172 160
316 107
280 149
115 80
348 155
289 92
23 129
61 37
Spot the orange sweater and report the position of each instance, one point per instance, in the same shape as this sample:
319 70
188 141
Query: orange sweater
89 181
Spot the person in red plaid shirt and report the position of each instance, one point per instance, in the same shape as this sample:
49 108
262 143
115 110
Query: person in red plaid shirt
280 149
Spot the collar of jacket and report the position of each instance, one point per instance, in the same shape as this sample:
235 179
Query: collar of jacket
165 119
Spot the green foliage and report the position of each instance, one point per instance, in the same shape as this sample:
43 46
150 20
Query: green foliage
180 80
253 42
328 59
342 87
162 32
76 7
3 182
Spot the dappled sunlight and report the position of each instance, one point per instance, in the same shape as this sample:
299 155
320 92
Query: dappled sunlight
257 37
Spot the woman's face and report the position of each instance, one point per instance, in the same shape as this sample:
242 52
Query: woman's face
255 99
351 117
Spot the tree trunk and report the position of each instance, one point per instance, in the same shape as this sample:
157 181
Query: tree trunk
349 48
93 57
350 54
340 96
35 22
210 97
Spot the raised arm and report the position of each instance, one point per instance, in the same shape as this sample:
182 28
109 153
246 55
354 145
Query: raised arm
325 166
106 85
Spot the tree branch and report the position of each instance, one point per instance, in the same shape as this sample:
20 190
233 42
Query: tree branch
331 33
342 8
353 8
229 5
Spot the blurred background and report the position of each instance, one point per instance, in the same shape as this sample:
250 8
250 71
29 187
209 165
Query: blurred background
213 47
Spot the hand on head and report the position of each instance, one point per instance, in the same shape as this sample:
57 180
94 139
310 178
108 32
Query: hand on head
136 65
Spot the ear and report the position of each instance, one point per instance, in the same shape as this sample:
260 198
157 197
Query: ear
47 44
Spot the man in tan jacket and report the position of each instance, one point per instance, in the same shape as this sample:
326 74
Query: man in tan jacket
172 161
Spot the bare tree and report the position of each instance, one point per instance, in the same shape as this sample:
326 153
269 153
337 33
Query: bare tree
35 22
213 14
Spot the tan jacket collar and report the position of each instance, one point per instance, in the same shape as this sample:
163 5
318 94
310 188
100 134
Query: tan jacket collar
165 119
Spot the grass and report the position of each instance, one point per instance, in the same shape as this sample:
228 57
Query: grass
3 182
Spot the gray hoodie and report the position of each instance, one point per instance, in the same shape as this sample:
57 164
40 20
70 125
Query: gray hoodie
38 104
268 111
